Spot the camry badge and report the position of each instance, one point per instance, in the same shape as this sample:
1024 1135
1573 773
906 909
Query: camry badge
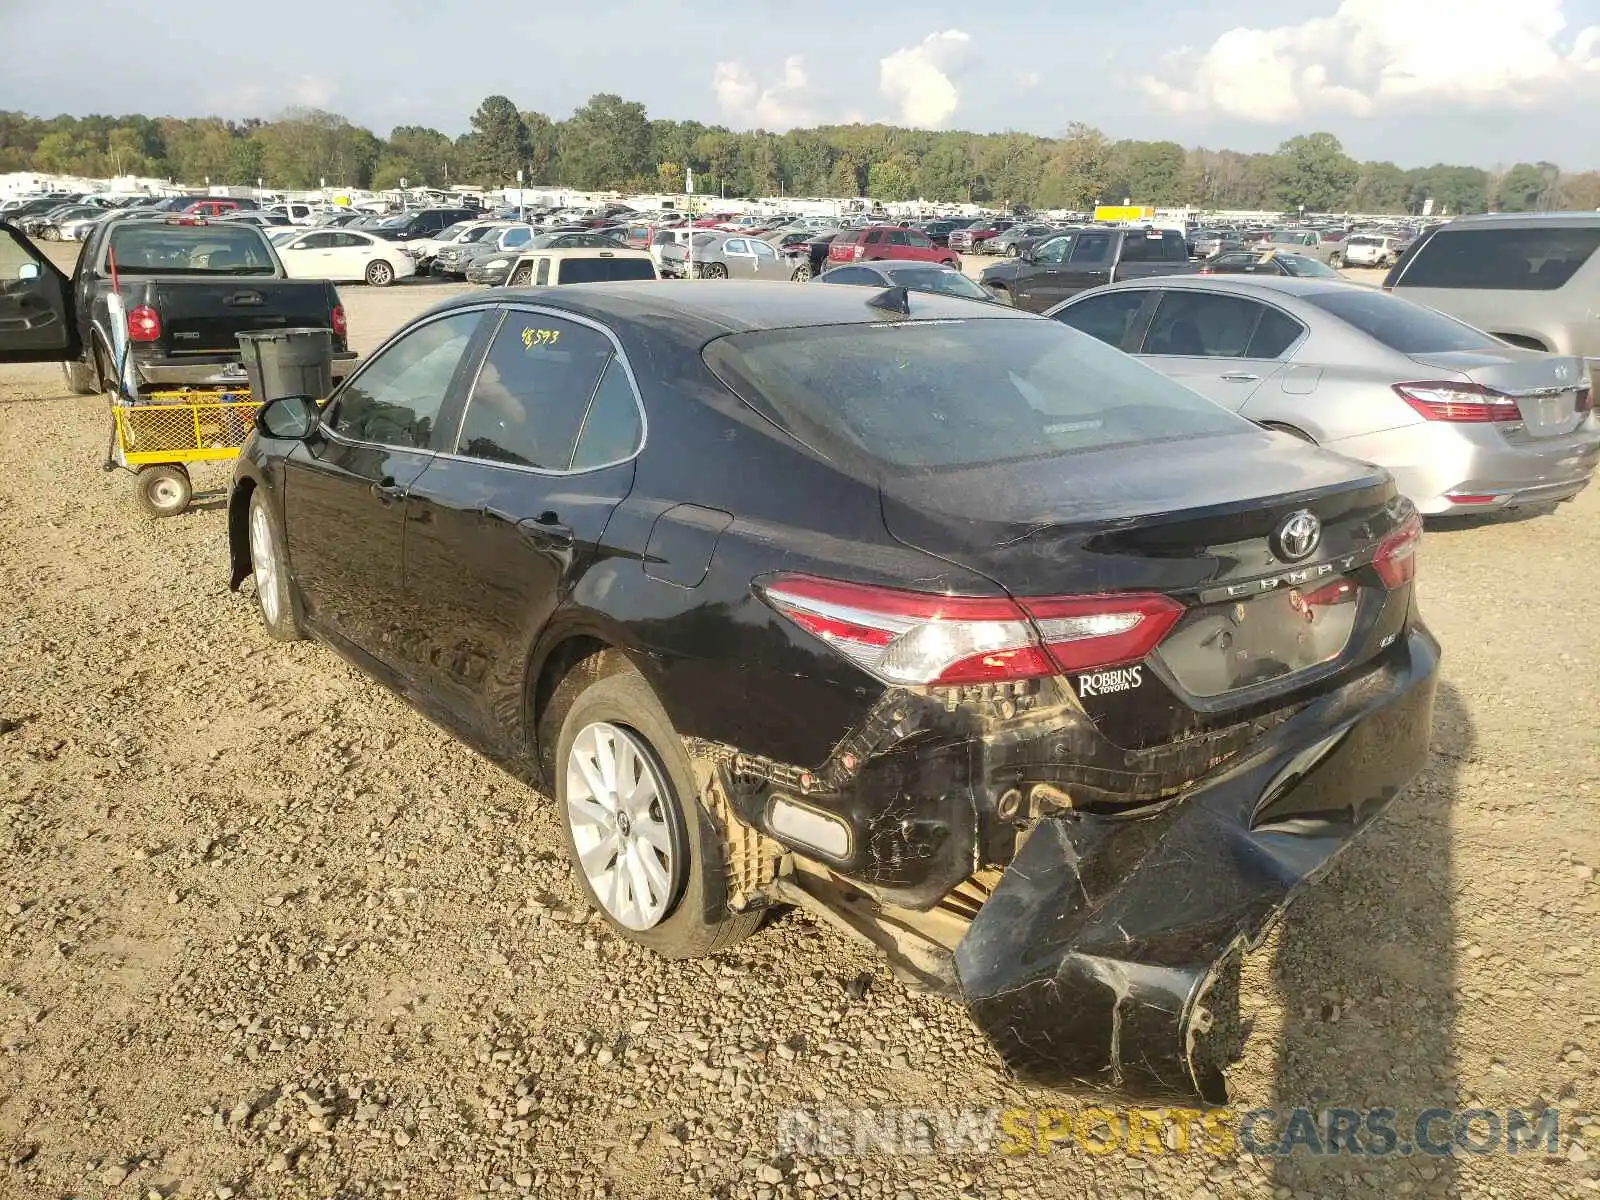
1297 536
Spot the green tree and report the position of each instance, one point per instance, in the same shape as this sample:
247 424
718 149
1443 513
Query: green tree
1315 173
846 178
891 180
1381 187
497 147
425 153
606 143
542 135
1524 187
945 172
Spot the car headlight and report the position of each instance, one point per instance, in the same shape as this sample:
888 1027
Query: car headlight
495 263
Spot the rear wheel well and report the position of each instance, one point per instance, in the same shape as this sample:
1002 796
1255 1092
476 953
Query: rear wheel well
582 652
1523 340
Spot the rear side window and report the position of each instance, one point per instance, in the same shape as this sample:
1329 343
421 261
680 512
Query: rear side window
1512 260
612 428
599 270
912 396
534 389
1399 324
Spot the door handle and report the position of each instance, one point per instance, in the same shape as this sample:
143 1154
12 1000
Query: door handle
1240 377
386 489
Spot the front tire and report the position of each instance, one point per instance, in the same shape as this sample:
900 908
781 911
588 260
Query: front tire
269 566
645 851
380 273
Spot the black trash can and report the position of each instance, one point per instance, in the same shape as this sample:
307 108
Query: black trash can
288 362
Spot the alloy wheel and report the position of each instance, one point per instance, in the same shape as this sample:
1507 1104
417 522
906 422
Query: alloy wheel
264 560
618 811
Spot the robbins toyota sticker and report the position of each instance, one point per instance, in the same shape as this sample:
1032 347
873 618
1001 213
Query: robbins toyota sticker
1104 683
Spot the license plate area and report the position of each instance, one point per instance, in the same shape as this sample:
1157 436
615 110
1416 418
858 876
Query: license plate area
1550 415
1230 645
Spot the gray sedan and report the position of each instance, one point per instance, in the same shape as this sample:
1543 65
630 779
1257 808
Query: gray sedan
1464 421
724 256
914 276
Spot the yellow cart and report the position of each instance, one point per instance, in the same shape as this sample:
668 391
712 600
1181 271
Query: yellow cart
160 433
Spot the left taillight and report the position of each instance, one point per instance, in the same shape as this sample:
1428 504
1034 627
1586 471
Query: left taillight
1396 559
336 321
144 324
1468 403
912 639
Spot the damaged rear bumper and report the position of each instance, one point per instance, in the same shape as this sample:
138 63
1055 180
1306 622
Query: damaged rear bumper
1096 961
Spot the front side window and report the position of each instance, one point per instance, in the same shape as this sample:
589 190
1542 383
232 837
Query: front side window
1108 316
1514 260
1053 251
396 398
920 241
533 392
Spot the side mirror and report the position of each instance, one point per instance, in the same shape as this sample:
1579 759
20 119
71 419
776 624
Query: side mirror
292 418
28 270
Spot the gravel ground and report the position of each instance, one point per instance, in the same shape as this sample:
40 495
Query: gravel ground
265 931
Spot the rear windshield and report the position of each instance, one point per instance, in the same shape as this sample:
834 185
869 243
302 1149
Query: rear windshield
914 396
597 270
1399 324
937 279
156 248
1512 260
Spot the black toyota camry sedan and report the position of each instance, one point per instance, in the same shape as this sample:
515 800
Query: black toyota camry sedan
1048 675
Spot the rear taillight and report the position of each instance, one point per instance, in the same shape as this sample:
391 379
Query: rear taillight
1396 559
1469 402
336 321
1584 400
912 639
144 324
857 251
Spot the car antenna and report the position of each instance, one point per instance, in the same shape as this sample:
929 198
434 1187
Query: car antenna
895 300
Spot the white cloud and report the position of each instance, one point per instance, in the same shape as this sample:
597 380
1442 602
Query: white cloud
1376 55
918 79
1028 79
311 92
745 100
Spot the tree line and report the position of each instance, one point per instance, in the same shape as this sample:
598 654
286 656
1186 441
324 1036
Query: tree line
612 143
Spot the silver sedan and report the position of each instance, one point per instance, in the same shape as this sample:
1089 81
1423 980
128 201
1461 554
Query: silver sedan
1464 421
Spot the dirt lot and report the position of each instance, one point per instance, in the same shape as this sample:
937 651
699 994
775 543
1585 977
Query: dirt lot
264 931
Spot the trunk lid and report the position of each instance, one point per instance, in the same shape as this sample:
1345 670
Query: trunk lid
203 317
1203 524
1545 386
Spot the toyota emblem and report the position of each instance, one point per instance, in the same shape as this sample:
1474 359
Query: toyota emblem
1297 536
1561 371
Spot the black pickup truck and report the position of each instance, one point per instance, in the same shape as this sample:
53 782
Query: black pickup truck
1049 271
189 287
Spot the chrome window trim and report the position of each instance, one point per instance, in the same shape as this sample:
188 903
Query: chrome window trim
345 439
616 354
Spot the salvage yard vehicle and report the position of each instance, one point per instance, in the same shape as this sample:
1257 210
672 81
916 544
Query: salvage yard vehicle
724 256
1463 420
1531 279
189 288
888 241
342 256
915 276
541 268
961 629
1050 270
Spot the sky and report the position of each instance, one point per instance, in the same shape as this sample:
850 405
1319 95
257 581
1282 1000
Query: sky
1482 82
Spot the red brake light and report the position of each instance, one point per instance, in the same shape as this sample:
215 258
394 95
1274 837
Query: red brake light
336 321
912 639
1396 559
1452 401
144 324
857 250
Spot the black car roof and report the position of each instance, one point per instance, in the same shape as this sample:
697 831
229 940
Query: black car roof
710 309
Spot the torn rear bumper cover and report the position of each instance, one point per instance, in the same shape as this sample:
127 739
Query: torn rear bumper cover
1093 963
